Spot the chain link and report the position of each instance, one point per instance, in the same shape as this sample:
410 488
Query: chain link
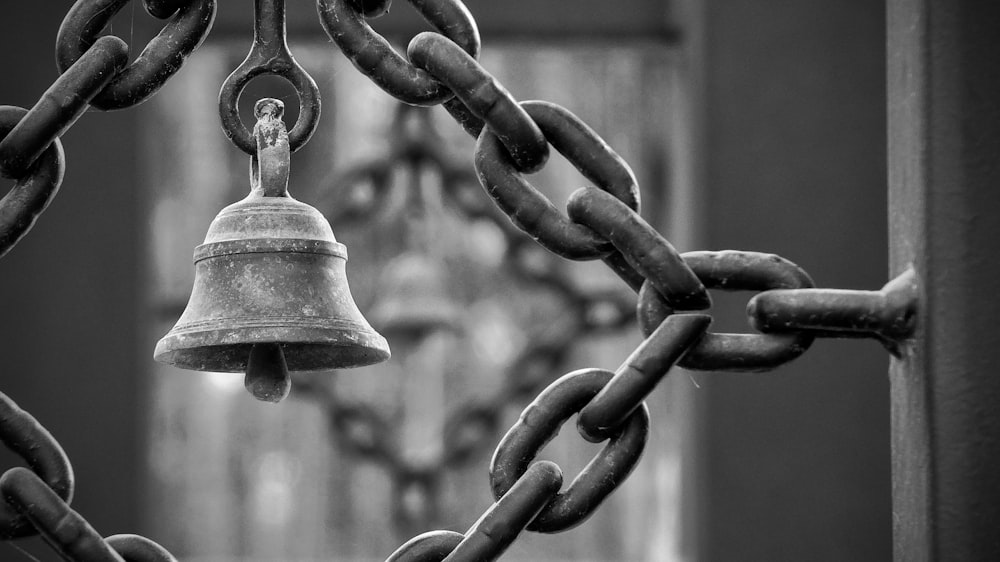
61 105
604 223
136 548
159 60
94 71
269 54
33 192
375 58
540 422
163 9
734 271
432 546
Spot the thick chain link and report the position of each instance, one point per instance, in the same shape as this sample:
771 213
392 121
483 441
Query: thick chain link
269 54
603 223
94 71
22 434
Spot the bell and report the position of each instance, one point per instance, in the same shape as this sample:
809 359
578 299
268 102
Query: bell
414 300
270 290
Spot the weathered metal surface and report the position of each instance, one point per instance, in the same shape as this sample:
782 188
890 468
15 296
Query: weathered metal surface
270 272
21 207
22 434
944 138
538 424
61 105
888 314
243 230
374 56
602 417
157 62
733 271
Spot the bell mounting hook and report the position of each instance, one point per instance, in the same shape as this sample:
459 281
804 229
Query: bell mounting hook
270 162
269 54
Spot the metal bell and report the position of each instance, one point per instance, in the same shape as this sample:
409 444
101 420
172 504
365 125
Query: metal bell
270 290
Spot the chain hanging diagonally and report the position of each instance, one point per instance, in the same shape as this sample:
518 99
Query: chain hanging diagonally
93 71
528 497
606 224
373 56
37 500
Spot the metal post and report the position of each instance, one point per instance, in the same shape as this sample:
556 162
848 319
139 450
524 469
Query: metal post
944 201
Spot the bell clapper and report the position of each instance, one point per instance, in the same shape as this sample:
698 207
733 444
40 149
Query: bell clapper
267 373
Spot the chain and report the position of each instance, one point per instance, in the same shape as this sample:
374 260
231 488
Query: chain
604 222
95 72
269 54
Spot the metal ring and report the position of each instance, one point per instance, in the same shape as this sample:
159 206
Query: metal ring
22 434
484 97
539 423
432 546
529 209
158 61
642 247
137 548
61 105
269 54
375 57
734 271
20 208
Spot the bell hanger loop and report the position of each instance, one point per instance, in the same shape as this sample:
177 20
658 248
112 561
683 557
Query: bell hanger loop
269 166
269 54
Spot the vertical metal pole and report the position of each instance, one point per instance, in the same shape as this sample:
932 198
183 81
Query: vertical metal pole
944 201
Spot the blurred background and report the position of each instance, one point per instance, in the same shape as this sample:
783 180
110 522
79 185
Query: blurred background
749 125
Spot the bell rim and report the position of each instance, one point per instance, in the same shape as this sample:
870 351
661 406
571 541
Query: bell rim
189 349
269 245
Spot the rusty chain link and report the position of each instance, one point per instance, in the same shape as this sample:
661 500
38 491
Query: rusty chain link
513 138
